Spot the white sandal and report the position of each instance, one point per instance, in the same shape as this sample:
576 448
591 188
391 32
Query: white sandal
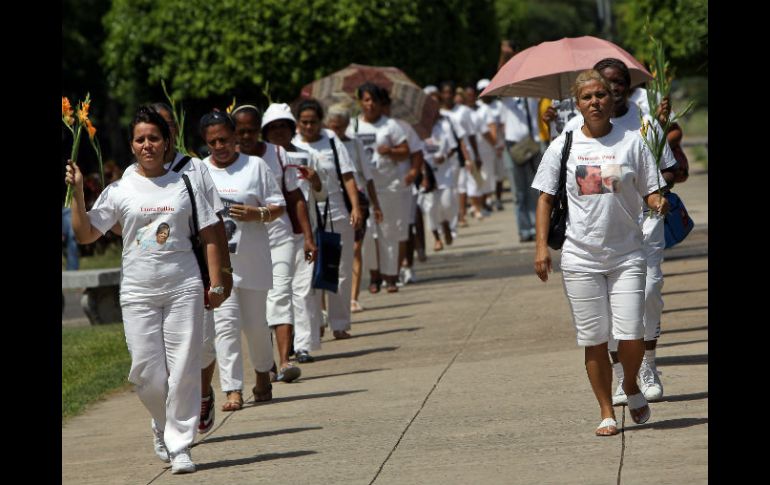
356 307
635 402
607 423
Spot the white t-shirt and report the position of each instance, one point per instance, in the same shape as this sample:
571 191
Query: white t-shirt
439 144
483 117
247 181
148 209
414 142
385 131
514 115
462 121
198 173
280 229
327 171
603 231
360 161
631 122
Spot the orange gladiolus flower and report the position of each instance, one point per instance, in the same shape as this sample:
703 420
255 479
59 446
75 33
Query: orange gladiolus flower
91 129
66 111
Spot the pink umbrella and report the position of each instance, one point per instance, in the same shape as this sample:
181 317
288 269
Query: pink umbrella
548 70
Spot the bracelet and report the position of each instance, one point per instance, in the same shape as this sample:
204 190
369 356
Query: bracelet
269 214
261 212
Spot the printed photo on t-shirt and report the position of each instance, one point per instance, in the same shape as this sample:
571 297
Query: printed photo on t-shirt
368 140
598 179
153 236
232 231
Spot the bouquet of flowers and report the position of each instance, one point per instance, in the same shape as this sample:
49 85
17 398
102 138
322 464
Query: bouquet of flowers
658 99
76 121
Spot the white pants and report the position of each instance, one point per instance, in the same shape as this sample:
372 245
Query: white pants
411 210
607 305
279 298
243 311
338 307
489 172
391 231
462 181
438 206
654 242
163 336
306 305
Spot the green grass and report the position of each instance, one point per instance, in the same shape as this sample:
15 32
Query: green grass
95 361
109 259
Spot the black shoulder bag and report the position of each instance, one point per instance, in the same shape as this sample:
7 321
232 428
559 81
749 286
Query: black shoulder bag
557 227
197 244
363 202
460 154
326 271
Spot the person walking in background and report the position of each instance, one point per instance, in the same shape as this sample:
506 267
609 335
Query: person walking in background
160 288
603 261
337 173
338 120
385 143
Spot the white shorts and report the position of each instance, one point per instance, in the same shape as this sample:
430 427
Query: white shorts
654 242
607 304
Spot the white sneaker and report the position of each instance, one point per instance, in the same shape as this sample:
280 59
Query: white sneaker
182 463
158 444
408 276
619 397
649 382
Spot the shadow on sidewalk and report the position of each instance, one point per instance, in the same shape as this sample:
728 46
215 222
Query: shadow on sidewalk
252 459
680 292
680 330
670 424
686 397
430 279
258 434
365 371
385 332
688 309
686 342
355 353
683 360
400 317
397 305
302 397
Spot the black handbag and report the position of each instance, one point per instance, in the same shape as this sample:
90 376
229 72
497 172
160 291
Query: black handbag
557 226
197 244
326 271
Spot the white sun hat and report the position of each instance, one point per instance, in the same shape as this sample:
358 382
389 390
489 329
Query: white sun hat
275 112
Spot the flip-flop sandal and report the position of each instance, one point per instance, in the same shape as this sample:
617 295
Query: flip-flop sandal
341 335
635 403
233 405
610 424
374 287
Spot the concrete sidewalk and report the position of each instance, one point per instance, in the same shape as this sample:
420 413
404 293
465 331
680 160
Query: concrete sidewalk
472 375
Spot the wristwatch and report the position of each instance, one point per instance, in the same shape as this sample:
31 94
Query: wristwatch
227 270
219 290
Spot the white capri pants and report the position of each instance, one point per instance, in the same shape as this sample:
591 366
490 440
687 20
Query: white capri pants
462 181
489 172
163 335
391 231
412 209
607 305
438 206
243 311
279 298
306 304
338 308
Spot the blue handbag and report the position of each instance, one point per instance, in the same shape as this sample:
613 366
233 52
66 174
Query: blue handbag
678 223
326 272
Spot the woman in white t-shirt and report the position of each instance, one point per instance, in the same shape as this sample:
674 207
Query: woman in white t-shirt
292 294
603 263
252 200
338 120
160 288
385 144
337 174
